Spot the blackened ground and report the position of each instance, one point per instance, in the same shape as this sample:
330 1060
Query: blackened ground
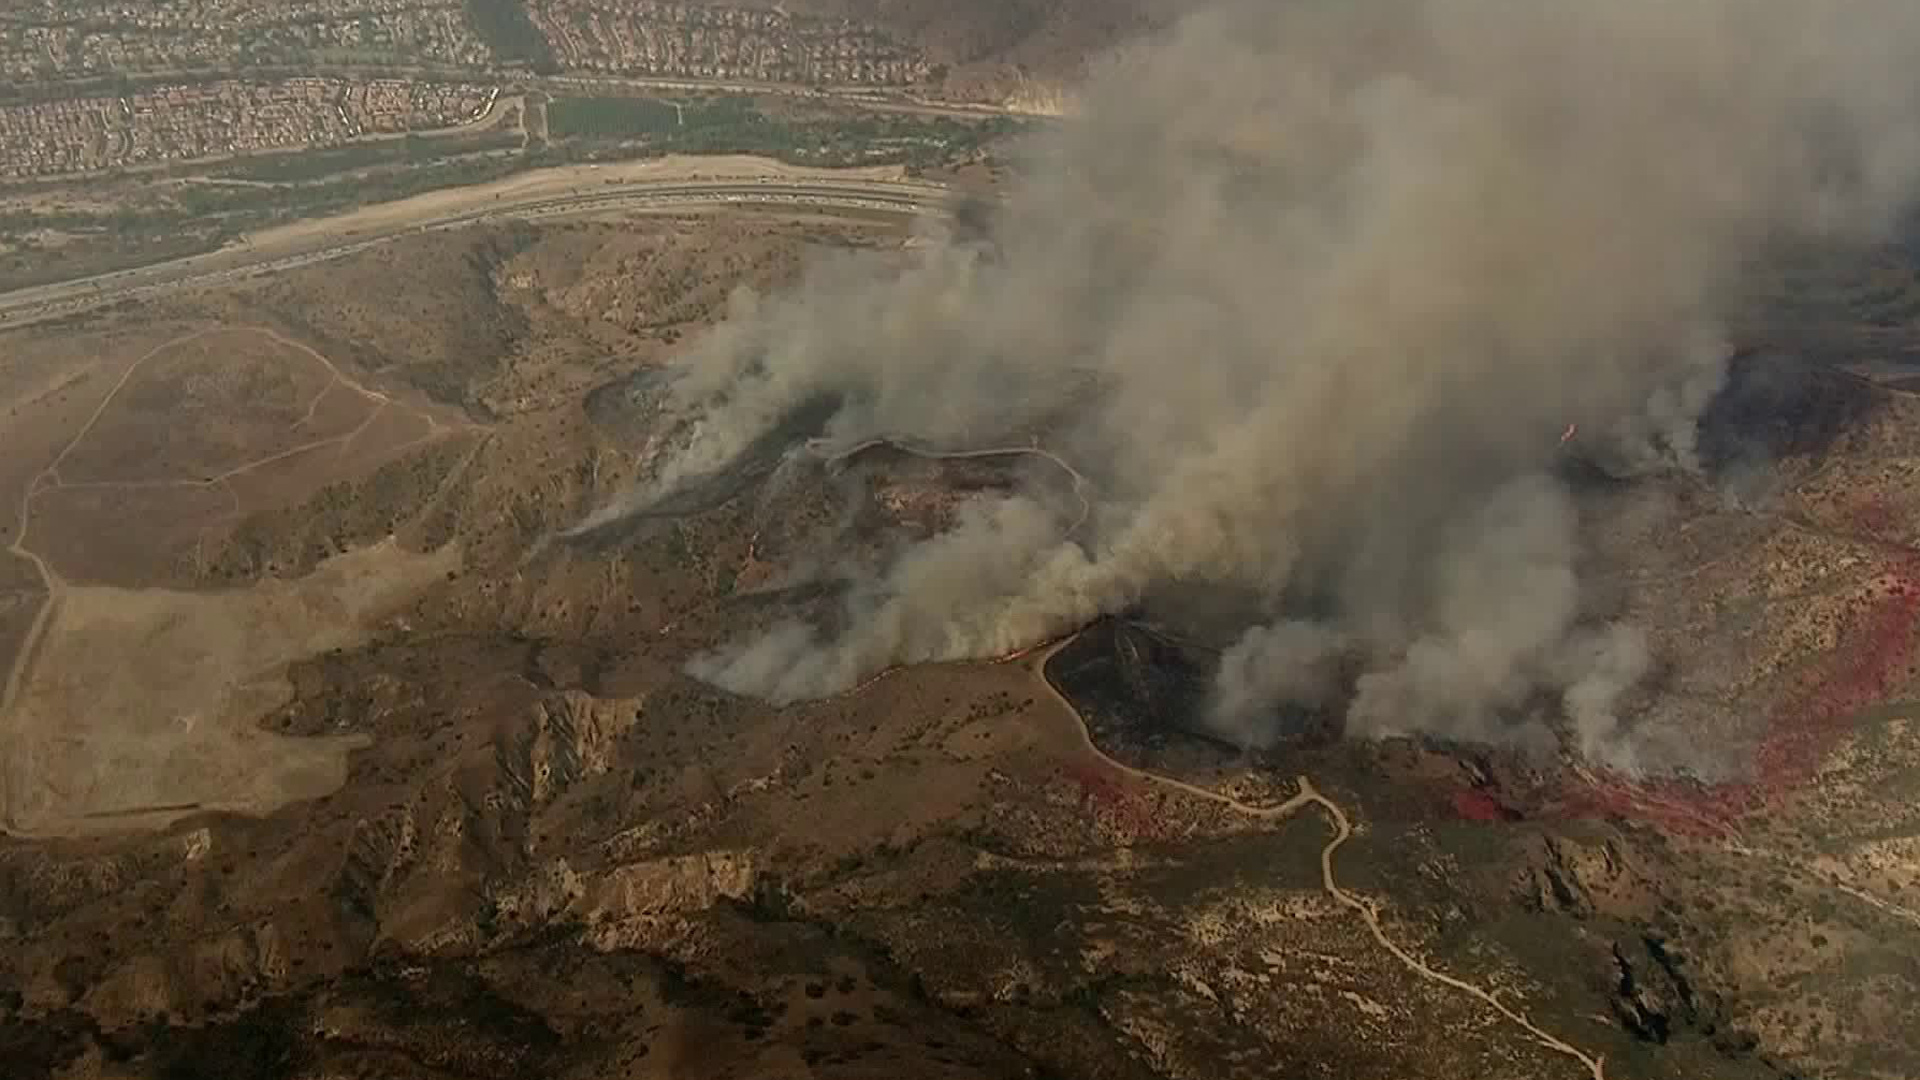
711 490
1141 694
1777 405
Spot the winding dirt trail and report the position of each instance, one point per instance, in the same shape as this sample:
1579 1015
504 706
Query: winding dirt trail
49 480
836 458
1038 657
1824 881
1342 831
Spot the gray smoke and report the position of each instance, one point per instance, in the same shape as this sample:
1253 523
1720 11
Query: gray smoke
1318 287
1293 663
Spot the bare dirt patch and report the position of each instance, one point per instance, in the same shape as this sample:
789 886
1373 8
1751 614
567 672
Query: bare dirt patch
18 607
206 405
387 432
126 535
143 702
128 705
51 381
338 408
190 438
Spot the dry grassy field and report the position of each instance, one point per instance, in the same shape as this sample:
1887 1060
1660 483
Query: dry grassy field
320 742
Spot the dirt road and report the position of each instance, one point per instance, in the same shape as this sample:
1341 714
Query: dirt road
836 458
76 742
1342 832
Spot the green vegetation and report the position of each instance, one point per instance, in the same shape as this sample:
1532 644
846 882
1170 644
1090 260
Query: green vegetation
410 150
165 220
187 219
600 128
505 27
61 243
25 267
251 207
611 118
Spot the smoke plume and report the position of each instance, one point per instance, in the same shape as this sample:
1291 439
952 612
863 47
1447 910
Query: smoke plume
1310 293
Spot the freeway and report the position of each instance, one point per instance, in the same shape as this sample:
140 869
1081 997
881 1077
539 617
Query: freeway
285 249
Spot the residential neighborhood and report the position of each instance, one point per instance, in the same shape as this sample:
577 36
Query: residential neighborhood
46 40
87 85
183 122
649 38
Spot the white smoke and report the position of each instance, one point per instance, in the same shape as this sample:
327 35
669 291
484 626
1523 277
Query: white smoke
1339 276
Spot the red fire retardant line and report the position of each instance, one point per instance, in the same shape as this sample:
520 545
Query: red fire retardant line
1103 791
1800 733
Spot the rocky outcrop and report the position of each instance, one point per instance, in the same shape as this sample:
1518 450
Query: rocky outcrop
570 736
635 893
542 896
1585 878
43 883
1654 999
671 886
381 850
